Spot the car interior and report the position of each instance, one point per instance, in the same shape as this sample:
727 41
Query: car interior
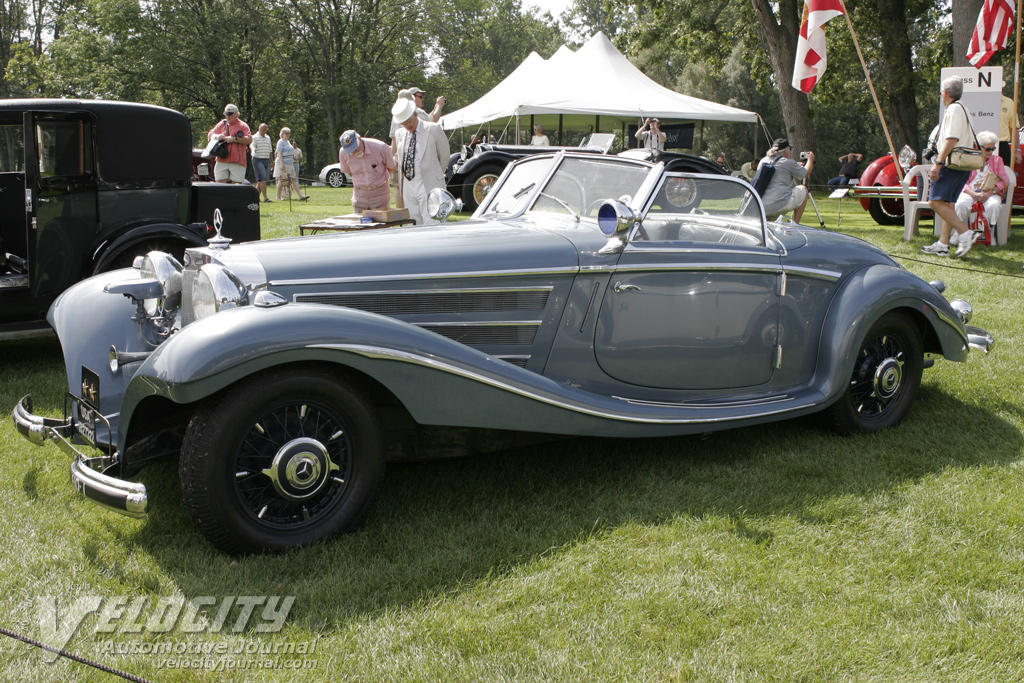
13 236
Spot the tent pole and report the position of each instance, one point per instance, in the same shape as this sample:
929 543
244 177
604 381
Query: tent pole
560 143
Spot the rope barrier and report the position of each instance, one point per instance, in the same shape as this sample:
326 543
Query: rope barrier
72 656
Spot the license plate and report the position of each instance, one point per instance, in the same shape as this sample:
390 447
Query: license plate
88 406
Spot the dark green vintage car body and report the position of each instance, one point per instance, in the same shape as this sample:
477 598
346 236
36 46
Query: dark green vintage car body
589 295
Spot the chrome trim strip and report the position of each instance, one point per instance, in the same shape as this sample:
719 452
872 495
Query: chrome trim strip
817 273
428 292
752 267
424 276
704 405
631 248
480 323
382 353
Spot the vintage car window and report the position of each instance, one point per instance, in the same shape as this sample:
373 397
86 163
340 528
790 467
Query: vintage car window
511 195
64 148
689 208
12 150
582 184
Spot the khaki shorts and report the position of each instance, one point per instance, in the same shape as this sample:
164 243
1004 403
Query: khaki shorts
225 170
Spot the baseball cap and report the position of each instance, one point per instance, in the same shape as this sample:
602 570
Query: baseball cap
349 141
781 144
417 91
230 109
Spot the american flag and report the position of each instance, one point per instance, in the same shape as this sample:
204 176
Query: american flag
991 32
810 47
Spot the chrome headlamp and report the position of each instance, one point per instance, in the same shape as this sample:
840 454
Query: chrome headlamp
908 157
215 289
165 269
963 309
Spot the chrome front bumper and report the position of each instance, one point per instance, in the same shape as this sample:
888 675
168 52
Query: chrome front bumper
125 497
979 339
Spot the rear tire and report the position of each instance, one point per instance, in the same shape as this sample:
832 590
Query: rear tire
336 178
280 460
886 377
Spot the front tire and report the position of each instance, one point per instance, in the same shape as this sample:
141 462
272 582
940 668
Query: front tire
478 184
886 211
280 460
886 377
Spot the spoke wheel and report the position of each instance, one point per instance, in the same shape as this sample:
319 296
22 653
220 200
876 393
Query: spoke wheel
336 178
886 211
478 184
886 376
280 460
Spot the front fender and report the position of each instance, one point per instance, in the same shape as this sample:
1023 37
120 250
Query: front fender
874 175
110 250
865 297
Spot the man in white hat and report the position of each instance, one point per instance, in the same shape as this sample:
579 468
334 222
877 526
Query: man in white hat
369 163
421 157
416 96
235 132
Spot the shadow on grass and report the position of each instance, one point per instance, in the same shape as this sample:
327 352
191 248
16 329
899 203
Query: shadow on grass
439 527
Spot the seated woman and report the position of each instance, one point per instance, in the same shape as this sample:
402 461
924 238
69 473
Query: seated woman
980 186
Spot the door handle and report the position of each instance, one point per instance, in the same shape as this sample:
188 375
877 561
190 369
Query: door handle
619 287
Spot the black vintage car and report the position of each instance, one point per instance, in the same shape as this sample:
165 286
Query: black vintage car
85 186
473 171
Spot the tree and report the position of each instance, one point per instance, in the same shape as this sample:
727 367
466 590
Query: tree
965 17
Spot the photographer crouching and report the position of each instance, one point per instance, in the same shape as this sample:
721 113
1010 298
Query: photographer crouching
784 192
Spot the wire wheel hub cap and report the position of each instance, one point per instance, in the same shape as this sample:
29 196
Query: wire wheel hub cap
300 469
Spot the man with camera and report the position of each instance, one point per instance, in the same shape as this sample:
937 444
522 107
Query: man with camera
785 192
651 135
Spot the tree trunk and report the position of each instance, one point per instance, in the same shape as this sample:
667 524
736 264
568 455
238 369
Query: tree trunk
897 94
780 38
965 16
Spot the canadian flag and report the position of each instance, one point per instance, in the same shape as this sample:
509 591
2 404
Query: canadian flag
810 47
991 32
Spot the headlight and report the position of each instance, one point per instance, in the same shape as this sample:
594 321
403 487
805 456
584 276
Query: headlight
963 309
215 289
441 203
908 158
165 269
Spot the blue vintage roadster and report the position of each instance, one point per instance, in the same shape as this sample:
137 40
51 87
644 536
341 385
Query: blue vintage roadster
589 295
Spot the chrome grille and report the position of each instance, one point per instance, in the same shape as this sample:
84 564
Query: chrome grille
410 303
188 277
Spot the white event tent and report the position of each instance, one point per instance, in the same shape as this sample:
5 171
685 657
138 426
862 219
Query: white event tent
596 86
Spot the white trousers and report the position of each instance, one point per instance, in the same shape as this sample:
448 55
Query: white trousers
414 194
992 204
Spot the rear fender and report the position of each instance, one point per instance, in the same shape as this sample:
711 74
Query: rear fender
877 173
865 297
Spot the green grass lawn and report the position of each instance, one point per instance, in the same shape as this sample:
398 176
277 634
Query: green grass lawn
774 553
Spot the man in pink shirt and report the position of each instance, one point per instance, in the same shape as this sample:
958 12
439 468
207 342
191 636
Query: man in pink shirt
235 132
369 163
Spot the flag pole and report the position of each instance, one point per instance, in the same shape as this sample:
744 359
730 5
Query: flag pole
874 95
1014 141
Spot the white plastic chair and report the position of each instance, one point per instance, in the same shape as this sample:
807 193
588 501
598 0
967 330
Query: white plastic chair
912 207
1002 226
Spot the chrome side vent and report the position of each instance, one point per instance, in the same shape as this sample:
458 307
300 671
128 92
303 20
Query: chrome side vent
484 334
188 278
436 302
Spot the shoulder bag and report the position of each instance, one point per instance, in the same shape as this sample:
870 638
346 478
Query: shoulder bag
966 158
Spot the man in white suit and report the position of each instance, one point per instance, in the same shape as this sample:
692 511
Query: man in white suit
421 158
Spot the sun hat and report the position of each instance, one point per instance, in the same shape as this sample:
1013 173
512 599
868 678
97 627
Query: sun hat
349 141
403 110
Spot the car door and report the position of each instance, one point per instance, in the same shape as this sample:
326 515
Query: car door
60 199
693 302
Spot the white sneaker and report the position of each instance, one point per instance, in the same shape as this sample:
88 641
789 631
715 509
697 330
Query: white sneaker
954 237
938 249
967 241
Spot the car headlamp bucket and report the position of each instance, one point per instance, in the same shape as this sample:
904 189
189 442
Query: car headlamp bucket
165 269
614 217
963 309
215 289
441 203
908 157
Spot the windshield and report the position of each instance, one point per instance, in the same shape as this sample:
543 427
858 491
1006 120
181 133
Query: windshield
577 188
695 209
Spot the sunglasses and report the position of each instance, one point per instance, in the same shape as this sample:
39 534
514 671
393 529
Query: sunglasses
989 149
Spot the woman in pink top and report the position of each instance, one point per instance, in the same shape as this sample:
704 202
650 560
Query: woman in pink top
980 187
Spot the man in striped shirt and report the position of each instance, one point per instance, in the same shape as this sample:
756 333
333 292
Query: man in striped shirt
262 148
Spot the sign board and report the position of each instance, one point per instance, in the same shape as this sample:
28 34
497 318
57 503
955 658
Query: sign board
983 90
